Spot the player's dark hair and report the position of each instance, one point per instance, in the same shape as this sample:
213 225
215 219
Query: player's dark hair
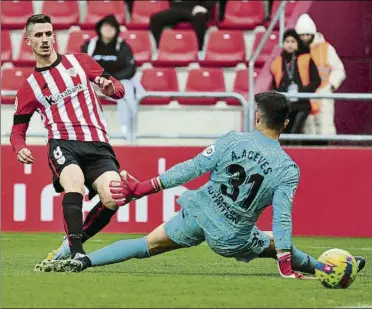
37 19
274 108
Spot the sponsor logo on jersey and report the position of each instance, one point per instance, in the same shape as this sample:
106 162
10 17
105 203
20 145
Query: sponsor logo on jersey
224 207
68 92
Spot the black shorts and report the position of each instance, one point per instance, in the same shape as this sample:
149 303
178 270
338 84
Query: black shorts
94 159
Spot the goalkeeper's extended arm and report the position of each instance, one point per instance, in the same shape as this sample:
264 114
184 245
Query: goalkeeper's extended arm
179 174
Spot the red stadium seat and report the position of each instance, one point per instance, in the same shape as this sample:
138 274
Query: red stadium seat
142 11
225 48
241 85
63 13
244 15
139 41
96 10
11 79
15 13
177 48
159 79
271 42
203 80
288 10
6 47
26 56
77 38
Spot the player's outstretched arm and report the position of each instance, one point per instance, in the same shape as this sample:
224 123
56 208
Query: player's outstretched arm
179 174
108 85
282 222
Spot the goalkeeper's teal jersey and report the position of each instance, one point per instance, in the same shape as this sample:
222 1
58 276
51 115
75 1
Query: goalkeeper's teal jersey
249 172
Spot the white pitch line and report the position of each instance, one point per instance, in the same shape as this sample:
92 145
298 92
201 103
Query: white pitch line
324 247
361 306
348 248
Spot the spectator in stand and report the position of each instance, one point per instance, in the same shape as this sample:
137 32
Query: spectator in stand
295 72
116 57
195 12
332 73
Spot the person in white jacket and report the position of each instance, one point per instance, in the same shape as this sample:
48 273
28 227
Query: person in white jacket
331 71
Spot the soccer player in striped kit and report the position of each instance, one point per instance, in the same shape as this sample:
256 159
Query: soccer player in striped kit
60 90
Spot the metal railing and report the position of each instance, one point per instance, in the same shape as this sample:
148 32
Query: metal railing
246 125
336 96
334 137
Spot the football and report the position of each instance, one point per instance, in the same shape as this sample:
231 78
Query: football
339 269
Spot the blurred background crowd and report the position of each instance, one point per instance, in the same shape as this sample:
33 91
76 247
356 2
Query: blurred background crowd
205 46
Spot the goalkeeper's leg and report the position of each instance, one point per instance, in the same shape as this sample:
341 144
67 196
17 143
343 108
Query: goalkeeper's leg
300 261
181 231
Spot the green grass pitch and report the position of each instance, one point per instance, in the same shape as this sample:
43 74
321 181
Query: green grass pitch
185 278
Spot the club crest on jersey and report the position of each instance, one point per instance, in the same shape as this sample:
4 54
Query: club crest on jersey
208 151
72 72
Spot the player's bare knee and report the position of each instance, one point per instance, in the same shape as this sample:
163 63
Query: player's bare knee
158 241
101 185
108 201
72 179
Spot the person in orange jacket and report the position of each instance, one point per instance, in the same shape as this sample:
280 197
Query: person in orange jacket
295 72
332 73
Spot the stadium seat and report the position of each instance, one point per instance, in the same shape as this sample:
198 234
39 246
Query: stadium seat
26 56
6 47
177 48
15 13
11 79
63 13
225 48
203 80
241 85
271 43
243 15
288 10
77 38
96 10
142 11
140 43
159 79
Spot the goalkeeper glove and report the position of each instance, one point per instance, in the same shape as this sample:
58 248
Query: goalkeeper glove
130 188
285 268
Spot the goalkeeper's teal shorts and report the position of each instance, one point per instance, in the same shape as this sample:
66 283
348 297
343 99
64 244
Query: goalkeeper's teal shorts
185 231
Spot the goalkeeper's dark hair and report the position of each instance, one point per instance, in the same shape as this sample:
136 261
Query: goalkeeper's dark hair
37 19
274 109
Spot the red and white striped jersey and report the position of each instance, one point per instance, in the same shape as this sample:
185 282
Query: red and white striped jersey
64 97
